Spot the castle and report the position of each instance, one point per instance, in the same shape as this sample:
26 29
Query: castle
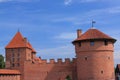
94 59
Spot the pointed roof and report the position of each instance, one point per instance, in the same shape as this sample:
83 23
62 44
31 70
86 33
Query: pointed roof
33 50
19 41
94 34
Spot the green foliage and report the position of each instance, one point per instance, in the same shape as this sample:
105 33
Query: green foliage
2 63
68 78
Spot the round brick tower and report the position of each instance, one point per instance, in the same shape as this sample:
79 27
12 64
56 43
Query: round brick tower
94 54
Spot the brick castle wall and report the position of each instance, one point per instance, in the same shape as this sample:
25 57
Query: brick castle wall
52 70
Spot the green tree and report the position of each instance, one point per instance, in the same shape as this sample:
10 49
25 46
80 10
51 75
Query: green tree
2 63
68 78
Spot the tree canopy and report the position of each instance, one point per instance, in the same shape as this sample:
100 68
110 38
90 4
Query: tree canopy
2 63
68 78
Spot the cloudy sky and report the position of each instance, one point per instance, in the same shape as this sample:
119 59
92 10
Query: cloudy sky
50 25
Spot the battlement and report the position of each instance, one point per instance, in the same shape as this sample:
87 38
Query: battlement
58 61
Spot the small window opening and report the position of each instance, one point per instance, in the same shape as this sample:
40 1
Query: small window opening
108 57
13 54
79 44
13 65
92 43
101 72
86 58
105 43
13 59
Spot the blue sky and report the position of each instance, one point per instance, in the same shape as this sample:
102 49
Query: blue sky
50 25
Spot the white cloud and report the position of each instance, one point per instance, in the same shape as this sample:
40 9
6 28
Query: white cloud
114 10
66 36
67 2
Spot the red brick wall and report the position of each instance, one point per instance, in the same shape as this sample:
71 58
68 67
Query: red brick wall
48 71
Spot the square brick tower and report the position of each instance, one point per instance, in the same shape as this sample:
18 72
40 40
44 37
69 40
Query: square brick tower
18 51
94 53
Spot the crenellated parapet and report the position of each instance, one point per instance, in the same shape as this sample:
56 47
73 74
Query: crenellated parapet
53 61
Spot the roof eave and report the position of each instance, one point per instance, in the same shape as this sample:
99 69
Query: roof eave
112 40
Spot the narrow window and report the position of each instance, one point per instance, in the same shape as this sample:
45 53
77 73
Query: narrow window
18 53
108 57
105 42
13 59
13 54
79 44
13 65
101 72
92 43
86 58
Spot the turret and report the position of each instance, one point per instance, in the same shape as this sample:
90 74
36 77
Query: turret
94 54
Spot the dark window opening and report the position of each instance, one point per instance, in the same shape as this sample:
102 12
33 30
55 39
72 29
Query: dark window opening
18 54
92 43
13 54
86 58
101 72
13 65
108 57
105 43
79 44
13 59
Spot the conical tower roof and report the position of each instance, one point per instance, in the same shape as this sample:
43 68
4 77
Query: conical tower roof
94 34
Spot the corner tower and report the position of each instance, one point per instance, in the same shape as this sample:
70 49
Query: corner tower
18 50
94 53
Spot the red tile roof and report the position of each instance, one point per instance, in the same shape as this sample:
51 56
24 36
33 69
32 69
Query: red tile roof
19 41
8 71
93 34
33 50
